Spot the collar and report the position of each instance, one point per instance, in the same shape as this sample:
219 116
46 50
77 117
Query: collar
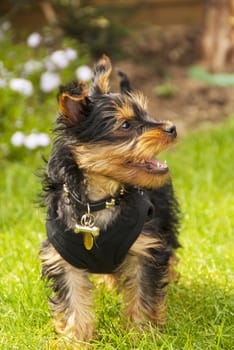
104 203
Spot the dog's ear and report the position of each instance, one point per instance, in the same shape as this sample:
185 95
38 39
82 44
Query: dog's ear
125 85
102 71
73 102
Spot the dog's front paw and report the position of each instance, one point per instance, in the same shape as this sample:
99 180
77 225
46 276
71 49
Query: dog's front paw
74 328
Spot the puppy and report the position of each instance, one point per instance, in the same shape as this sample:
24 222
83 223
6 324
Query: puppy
111 205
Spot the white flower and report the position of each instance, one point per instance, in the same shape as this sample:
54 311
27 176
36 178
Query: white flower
71 54
84 73
34 39
30 141
32 66
49 81
49 65
43 140
6 25
17 139
23 86
59 59
3 82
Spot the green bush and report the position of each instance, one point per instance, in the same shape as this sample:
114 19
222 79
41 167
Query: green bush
30 74
99 27
165 90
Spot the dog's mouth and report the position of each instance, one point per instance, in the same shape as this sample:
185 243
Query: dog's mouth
153 166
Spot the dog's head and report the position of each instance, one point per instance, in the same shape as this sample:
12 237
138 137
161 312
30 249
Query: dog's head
112 134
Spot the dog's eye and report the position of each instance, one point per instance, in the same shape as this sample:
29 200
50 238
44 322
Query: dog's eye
126 125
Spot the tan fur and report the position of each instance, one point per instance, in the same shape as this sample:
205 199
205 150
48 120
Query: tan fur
49 256
140 99
98 186
75 318
173 275
130 274
102 75
110 281
112 161
142 245
124 110
151 143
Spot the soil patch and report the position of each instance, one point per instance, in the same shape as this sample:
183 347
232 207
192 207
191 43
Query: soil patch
161 72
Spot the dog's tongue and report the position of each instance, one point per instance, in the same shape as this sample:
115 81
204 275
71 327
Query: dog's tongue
156 164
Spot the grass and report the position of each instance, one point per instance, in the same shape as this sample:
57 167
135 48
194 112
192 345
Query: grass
200 306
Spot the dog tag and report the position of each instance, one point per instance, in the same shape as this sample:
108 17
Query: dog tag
88 241
88 229
94 230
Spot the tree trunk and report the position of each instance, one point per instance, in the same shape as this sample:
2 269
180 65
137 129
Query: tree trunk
216 39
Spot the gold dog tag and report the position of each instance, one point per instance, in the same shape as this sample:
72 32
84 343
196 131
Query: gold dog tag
88 229
88 241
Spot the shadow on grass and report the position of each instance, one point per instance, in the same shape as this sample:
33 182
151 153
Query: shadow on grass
199 317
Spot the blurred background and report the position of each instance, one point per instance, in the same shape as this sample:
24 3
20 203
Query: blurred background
179 53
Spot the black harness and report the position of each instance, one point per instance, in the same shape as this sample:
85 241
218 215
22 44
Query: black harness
112 245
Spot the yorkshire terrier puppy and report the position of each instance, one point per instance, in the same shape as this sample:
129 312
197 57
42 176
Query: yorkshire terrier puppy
111 205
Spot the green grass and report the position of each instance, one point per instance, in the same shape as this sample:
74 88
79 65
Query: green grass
200 306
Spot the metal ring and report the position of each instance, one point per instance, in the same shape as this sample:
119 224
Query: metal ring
88 209
87 220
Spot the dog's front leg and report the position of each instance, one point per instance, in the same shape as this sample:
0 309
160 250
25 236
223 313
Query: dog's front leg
144 279
72 300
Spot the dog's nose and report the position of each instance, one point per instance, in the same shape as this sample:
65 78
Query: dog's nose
170 129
